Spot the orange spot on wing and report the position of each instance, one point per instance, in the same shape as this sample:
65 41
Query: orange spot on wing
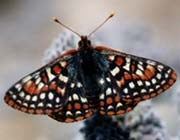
48 111
88 114
30 87
132 67
120 112
79 118
148 73
170 82
129 108
44 78
127 76
137 99
166 87
11 103
135 76
109 100
37 91
117 99
56 69
69 106
39 111
23 109
52 86
146 97
101 103
77 106
174 75
31 111
16 106
45 88
119 61
153 94
69 120
85 106
59 90
159 91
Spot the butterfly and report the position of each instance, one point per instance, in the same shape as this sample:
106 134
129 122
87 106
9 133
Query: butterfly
89 80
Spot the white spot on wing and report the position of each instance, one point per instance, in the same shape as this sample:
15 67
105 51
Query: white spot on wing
79 85
154 81
40 85
125 90
78 112
119 105
21 94
110 107
135 93
72 85
40 104
63 78
140 83
83 100
42 96
49 74
68 113
127 66
38 80
108 91
50 95
115 71
27 78
139 72
57 99
111 57
101 81
75 96
131 85
147 83
101 96
49 105
108 79
34 98
32 106
28 97
158 76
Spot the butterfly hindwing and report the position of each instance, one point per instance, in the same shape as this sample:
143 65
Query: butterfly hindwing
76 107
43 91
110 103
137 78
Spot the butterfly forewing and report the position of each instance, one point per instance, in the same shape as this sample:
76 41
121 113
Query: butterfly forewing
137 78
43 91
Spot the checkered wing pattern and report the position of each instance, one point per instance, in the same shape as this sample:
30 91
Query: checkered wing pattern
77 106
131 79
43 91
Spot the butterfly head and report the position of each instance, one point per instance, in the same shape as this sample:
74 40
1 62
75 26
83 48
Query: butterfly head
84 43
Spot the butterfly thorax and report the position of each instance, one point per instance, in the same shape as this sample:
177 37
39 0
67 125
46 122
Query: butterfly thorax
92 68
84 43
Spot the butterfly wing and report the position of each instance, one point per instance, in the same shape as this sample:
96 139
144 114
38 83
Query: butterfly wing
77 107
43 91
131 79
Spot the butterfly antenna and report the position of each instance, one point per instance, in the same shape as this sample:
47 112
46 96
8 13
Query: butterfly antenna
110 16
57 21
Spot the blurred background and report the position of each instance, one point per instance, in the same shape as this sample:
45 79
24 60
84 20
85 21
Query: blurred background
147 28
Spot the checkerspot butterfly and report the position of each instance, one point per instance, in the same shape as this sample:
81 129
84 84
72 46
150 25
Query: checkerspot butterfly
90 80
